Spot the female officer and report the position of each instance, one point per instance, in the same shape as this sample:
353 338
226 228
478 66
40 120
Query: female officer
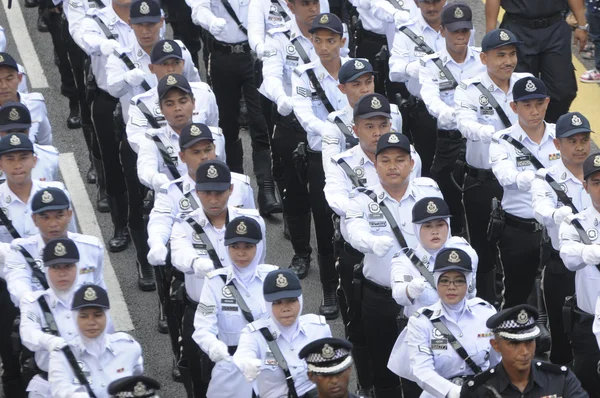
269 345
437 364
220 317
102 357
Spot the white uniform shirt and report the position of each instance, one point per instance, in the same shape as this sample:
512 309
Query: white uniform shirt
474 115
40 131
545 202
18 273
271 380
186 245
205 111
507 162
436 90
122 357
365 221
46 168
587 276
75 11
308 107
384 10
204 12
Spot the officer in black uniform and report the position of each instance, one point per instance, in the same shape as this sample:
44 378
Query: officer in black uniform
546 52
179 16
515 331
134 386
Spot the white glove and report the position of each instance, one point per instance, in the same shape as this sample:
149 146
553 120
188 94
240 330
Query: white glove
524 179
80 395
401 17
158 180
382 245
416 287
591 254
108 47
134 77
218 351
486 133
217 26
412 69
202 266
561 213
284 105
157 254
364 4
447 117
251 369
454 392
55 343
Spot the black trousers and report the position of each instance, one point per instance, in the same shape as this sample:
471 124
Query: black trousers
11 368
586 356
546 53
423 130
558 283
369 46
321 211
164 275
231 75
53 21
191 351
136 192
180 18
347 258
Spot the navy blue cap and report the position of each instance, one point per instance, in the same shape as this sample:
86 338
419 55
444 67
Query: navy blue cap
572 123
60 251
281 284
591 165
165 49
327 356
50 198
213 175
145 11
243 229
134 386
194 133
90 296
7 60
14 116
428 209
529 88
457 16
452 259
15 142
327 21
353 69
371 105
499 38
171 81
392 140
515 323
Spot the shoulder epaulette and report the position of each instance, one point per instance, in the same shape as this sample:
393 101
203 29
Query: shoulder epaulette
240 177
551 367
34 96
480 379
87 239
314 319
121 336
248 212
299 70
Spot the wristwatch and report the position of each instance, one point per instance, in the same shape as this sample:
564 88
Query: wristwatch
585 27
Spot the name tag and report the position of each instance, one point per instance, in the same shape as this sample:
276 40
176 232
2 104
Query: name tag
439 344
523 161
229 308
378 224
445 86
486 110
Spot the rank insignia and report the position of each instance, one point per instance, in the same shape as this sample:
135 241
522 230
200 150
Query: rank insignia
554 156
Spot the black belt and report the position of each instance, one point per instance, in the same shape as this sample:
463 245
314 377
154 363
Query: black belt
377 288
232 349
235 48
376 37
555 254
524 224
450 134
106 96
582 316
190 301
350 250
480 174
534 23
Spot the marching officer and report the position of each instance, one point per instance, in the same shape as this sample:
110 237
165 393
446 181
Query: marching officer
370 231
482 107
578 236
573 141
439 75
134 386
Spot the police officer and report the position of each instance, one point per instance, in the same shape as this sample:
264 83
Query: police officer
370 232
581 253
573 141
477 120
184 29
194 257
514 332
459 61
134 386
329 361
546 52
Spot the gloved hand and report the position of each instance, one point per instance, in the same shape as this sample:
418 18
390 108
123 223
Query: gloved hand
55 343
486 133
364 4
412 69
591 254
561 213
250 368
217 26
157 254
218 351
80 395
447 117
284 105
108 47
134 77
158 180
401 17
524 179
454 392
416 287
202 266
382 245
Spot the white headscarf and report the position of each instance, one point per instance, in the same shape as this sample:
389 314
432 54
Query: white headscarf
289 332
65 296
97 345
417 229
246 274
454 310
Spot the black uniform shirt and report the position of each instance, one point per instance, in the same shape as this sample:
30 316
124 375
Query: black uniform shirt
534 8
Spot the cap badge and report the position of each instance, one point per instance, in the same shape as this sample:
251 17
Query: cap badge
171 80
139 389
530 87
393 139
359 65
212 172
504 36
144 8
597 161
14 114
375 103
167 47
60 250
576 121
1 58
324 19
458 13
14 140
327 352
195 131
522 318
454 257
432 208
90 294
281 281
241 229
47 197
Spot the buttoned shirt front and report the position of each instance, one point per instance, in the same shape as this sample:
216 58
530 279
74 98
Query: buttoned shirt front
204 12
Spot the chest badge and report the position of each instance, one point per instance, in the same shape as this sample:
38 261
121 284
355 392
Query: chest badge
592 233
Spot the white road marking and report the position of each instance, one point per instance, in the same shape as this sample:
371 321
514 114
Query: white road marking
88 223
29 58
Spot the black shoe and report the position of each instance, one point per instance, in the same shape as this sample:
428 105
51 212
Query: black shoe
118 214
286 229
176 374
90 176
118 242
41 25
102 202
74 120
146 280
365 393
330 307
162 326
300 265
31 3
101 198
268 201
